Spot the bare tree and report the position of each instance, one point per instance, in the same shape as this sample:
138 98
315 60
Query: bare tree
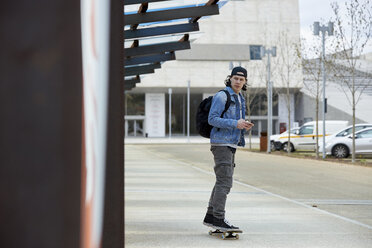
353 30
312 77
288 66
253 91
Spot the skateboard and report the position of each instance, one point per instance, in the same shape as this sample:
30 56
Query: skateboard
233 234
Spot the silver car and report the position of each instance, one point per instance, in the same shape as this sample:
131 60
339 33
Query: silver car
347 131
341 147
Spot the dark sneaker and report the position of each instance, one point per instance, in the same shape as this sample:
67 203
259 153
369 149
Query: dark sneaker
224 225
208 220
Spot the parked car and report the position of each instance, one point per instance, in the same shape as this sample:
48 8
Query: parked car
275 142
342 147
305 137
347 131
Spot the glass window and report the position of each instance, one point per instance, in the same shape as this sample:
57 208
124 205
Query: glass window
293 130
349 131
254 129
345 132
134 104
358 129
258 105
179 113
255 52
306 130
365 134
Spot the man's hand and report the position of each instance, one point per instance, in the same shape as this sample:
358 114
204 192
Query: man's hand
242 124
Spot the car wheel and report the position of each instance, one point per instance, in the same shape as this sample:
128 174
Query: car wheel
340 151
285 145
272 146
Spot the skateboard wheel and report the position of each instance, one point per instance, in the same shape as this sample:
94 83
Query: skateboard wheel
237 236
223 236
210 232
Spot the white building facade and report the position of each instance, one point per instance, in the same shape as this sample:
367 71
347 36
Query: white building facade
232 38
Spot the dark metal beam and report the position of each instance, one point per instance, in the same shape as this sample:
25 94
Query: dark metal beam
210 2
129 87
150 59
137 69
157 48
129 2
171 14
148 71
142 9
113 221
171 29
132 81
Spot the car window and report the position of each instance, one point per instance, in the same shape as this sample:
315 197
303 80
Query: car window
358 128
306 130
293 130
365 134
349 131
345 132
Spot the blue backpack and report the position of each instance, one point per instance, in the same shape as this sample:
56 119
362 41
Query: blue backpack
202 124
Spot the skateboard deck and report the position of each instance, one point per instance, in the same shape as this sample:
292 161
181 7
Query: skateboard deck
233 234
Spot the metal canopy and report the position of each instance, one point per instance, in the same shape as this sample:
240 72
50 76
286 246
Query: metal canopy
158 58
136 70
165 30
158 48
129 2
154 29
166 15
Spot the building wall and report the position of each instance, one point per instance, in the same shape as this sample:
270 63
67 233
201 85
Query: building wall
226 38
308 112
226 41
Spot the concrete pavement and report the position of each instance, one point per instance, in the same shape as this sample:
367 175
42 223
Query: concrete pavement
181 140
166 199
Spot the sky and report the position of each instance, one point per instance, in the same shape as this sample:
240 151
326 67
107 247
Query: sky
318 10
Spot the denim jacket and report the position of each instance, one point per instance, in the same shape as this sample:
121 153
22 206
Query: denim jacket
224 129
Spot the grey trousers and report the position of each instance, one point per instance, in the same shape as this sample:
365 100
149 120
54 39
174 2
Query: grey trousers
224 157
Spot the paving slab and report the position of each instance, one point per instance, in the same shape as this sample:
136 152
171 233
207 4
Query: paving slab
166 200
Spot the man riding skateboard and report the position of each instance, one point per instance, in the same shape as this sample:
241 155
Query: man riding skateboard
226 135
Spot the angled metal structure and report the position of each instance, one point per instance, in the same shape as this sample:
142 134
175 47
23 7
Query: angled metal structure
157 48
129 2
157 31
136 70
150 34
172 14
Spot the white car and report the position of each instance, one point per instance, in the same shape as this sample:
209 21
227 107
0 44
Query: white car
346 131
305 137
342 147
342 133
274 139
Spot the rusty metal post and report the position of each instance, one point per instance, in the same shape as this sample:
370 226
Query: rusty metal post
40 123
113 229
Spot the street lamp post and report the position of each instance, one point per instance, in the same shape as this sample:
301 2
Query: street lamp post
268 52
323 29
170 112
188 111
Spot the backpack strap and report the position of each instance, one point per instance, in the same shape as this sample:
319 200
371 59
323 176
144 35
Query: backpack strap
227 104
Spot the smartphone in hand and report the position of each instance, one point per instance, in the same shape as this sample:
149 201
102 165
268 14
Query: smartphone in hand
250 123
